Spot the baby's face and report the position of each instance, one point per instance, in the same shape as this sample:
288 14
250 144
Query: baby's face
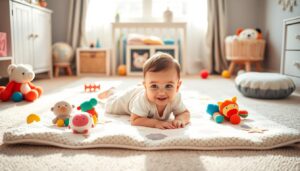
161 87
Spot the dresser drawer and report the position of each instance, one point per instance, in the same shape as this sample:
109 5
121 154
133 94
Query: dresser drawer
92 62
292 63
293 37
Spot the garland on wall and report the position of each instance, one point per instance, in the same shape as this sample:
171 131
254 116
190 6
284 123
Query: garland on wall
287 4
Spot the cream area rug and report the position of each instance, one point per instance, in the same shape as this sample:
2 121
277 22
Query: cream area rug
114 131
283 112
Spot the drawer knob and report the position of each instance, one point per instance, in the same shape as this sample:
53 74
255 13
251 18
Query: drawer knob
298 36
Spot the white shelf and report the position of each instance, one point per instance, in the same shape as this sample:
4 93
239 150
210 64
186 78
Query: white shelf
5 58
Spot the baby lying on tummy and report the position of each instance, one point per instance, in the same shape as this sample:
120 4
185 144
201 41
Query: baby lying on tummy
152 103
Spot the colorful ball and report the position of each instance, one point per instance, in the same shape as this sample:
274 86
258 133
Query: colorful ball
226 74
17 97
204 74
122 70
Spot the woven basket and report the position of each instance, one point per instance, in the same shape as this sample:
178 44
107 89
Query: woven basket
245 50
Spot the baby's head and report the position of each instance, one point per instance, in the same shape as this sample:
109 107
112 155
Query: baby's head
161 78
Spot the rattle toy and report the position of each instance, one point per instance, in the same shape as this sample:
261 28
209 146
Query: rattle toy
32 117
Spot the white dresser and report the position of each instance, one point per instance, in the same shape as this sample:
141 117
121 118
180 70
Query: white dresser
290 58
28 29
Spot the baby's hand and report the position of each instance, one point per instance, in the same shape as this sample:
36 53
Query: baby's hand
164 125
178 123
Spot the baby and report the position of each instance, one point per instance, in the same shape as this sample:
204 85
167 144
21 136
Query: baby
152 103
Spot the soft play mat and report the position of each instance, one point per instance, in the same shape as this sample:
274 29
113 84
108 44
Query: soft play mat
115 131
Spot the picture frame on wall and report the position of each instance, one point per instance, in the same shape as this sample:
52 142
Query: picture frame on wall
136 57
172 50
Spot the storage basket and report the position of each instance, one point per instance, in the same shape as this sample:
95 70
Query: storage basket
245 50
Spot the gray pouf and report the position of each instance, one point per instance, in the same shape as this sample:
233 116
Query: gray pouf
264 85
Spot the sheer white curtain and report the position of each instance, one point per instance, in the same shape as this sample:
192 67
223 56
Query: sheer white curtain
101 13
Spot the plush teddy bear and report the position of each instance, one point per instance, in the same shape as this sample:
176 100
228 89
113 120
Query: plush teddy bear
249 33
20 86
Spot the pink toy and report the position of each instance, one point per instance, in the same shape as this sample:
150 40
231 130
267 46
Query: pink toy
204 74
91 87
81 123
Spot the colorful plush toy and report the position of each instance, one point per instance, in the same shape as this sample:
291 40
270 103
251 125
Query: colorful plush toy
20 86
88 106
62 110
81 123
249 33
228 109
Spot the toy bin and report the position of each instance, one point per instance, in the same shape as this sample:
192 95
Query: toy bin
245 50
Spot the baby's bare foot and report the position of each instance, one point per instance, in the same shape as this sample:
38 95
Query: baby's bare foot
105 94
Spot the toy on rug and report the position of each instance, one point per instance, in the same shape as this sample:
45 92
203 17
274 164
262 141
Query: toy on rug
204 74
32 118
228 109
226 74
91 87
62 110
122 70
81 123
88 106
20 86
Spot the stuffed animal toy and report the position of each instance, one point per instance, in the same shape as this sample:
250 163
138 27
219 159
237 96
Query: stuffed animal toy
249 33
81 123
228 109
20 86
88 106
62 110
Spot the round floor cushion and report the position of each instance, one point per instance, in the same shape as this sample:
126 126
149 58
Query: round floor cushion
264 85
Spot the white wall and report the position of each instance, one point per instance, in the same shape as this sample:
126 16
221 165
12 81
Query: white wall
272 17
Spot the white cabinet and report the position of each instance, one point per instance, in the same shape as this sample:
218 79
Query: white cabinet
28 30
31 33
290 62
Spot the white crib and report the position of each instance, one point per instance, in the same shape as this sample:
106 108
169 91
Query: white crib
175 31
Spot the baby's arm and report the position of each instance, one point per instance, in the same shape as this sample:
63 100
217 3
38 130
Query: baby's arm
182 119
153 123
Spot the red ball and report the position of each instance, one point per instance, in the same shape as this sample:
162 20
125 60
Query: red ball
204 74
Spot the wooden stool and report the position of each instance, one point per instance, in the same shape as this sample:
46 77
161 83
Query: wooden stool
67 68
246 63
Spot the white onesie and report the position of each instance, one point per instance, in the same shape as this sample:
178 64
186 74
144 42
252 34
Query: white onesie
134 100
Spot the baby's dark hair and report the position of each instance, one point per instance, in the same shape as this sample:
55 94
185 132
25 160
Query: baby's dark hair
159 62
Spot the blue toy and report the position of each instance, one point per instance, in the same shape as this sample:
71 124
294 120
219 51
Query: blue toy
17 96
213 110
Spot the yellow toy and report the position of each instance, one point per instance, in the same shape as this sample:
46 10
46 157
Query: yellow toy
33 117
226 74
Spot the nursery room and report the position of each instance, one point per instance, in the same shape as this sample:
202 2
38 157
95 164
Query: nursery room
150 85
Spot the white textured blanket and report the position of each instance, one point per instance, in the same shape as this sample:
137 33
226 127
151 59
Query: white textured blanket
116 131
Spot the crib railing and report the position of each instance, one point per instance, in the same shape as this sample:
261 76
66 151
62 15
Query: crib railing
175 31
